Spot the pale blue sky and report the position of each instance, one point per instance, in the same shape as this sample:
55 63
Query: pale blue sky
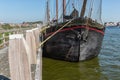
17 11
111 10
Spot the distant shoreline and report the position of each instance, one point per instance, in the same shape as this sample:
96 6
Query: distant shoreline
113 26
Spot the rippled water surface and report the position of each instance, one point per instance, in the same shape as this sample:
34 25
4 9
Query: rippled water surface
105 67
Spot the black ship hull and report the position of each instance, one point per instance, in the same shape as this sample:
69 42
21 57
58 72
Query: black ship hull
70 44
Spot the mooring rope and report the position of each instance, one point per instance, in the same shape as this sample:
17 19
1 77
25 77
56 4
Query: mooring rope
55 33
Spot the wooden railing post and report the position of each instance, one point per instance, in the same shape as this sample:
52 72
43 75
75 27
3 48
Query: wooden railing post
4 39
19 58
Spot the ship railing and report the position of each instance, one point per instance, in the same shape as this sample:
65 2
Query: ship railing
4 40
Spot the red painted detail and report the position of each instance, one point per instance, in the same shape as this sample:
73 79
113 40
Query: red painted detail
77 27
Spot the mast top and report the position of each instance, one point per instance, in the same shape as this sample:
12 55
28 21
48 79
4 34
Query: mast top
83 8
64 9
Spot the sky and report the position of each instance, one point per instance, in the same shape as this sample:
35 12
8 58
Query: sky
111 10
17 11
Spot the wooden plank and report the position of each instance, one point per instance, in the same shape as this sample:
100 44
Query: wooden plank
30 39
18 58
38 72
36 34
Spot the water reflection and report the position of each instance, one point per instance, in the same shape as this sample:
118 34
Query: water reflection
61 70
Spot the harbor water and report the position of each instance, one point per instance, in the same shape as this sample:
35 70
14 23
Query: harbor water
104 67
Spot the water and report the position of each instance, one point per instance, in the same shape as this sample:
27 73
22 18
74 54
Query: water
105 67
109 59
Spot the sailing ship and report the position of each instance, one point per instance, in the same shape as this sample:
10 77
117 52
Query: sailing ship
78 32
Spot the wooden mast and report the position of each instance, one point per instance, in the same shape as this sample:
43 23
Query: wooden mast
48 16
57 10
83 8
64 9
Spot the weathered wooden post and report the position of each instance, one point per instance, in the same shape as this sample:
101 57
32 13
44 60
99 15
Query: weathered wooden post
19 58
38 72
30 38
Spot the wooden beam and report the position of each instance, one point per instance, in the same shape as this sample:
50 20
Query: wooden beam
30 39
38 71
36 33
47 12
64 9
83 8
18 58
57 10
